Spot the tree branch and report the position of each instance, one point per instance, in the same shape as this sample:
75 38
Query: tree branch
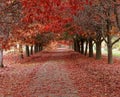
104 38
115 41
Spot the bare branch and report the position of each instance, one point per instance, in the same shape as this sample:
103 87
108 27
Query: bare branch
115 41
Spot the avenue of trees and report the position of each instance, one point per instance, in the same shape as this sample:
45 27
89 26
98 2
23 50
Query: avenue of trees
99 22
35 23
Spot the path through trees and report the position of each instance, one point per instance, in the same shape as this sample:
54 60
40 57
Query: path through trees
60 74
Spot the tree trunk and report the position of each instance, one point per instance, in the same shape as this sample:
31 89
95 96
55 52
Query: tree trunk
82 46
39 47
98 50
109 45
74 45
116 12
77 46
42 47
27 51
31 50
110 56
90 48
36 48
86 48
21 51
1 58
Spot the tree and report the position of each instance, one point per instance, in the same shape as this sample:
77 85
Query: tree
110 22
9 17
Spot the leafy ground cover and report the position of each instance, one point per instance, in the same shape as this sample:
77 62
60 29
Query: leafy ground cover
59 74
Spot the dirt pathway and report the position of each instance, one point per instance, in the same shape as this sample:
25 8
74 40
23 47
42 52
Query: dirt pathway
59 74
52 80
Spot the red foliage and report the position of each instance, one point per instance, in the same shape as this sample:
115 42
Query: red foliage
51 13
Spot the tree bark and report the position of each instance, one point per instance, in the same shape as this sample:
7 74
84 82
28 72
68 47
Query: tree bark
90 48
109 43
116 8
74 45
98 50
82 46
42 47
39 47
36 48
86 48
109 46
1 58
77 46
27 51
21 51
31 50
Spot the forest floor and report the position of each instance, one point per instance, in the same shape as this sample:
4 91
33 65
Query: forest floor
59 74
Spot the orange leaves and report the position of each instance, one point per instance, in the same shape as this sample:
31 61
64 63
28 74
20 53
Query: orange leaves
114 30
